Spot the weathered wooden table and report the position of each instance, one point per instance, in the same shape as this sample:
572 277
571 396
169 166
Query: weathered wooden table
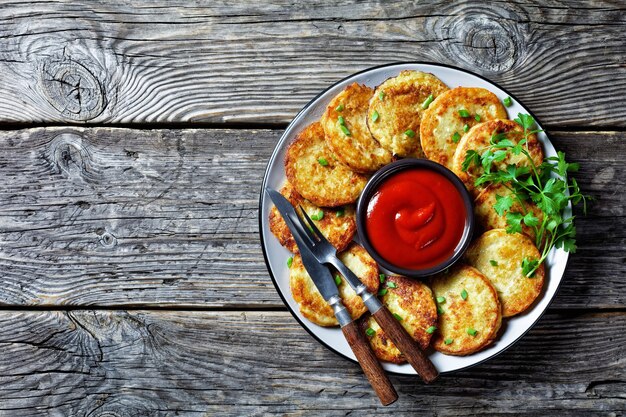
134 139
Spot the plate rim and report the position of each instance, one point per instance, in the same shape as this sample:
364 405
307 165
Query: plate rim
261 218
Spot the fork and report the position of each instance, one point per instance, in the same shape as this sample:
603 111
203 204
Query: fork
326 253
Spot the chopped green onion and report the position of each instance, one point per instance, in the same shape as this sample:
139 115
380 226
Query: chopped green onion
370 332
289 261
391 284
465 128
493 263
323 162
431 330
508 102
410 133
382 292
456 137
477 118
340 211
337 279
464 113
471 331
464 294
318 216
397 316
440 310
341 120
382 277
339 107
381 95
375 116
441 299
427 102
448 341
345 130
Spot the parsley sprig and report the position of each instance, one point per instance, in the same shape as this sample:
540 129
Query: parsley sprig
548 185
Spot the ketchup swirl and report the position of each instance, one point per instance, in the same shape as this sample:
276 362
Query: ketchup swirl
415 219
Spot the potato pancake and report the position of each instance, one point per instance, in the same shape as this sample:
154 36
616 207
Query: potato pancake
312 304
470 313
338 225
499 256
451 115
346 132
479 139
412 301
396 108
316 175
489 219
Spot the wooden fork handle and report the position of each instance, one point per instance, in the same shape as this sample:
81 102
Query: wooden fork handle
369 363
405 343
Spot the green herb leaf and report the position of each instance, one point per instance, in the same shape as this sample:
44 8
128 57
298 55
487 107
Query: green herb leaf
427 102
341 211
382 278
464 113
337 280
440 310
345 130
382 292
466 128
464 294
410 133
456 137
525 120
477 118
508 101
448 341
493 263
391 284
339 107
397 316
514 222
530 219
289 261
341 120
471 158
529 267
323 162
375 116
503 204
370 332
431 330
441 299
472 332
381 95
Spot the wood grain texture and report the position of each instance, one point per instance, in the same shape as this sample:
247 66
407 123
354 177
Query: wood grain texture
107 217
260 62
115 363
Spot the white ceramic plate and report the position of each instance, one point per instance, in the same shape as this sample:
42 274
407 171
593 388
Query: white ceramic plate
276 256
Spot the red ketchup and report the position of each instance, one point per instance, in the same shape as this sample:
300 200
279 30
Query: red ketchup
415 219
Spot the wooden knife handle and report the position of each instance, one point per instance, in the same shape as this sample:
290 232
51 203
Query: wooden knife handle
369 363
405 343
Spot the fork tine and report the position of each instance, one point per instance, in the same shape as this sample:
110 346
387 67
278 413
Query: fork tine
314 228
301 231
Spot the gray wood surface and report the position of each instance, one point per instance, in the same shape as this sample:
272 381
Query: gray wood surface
111 217
110 363
260 62
132 281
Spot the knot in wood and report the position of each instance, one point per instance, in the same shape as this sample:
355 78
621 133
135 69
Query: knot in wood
108 240
487 43
72 89
69 155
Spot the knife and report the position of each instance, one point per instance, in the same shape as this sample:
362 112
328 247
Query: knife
323 280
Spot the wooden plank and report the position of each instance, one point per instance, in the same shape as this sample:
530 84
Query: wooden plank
107 217
262 363
260 62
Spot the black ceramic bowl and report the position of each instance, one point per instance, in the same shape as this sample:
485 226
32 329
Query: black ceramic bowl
387 172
